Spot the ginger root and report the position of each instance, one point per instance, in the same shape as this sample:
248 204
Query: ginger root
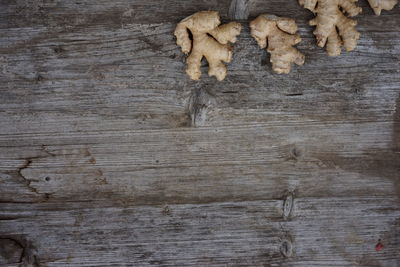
378 5
280 36
333 28
209 39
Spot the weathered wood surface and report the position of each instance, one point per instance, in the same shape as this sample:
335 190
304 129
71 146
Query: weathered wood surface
111 156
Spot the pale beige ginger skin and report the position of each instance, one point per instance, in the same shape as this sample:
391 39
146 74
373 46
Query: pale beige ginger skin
333 28
280 36
379 5
216 50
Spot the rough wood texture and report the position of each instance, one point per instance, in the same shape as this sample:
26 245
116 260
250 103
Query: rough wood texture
239 9
111 156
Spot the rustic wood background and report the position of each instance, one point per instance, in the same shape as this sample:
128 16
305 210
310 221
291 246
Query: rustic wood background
111 156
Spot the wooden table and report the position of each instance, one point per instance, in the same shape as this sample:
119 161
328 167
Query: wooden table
111 156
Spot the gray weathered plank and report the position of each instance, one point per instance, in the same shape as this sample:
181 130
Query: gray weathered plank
131 77
319 232
221 163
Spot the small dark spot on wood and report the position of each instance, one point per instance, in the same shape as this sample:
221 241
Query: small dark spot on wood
286 248
102 181
157 161
379 246
99 76
58 49
47 178
39 78
166 211
146 116
146 255
230 92
357 90
92 160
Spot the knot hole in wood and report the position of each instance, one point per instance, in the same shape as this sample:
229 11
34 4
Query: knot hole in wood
286 248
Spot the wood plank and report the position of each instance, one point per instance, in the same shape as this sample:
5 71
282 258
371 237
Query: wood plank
243 163
97 77
319 232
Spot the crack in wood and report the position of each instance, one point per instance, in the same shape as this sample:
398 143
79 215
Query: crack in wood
46 150
26 165
294 94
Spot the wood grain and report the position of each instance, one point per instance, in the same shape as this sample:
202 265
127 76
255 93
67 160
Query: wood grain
111 156
221 233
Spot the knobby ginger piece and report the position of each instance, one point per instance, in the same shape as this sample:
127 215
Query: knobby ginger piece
280 36
378 5
209 40
333 28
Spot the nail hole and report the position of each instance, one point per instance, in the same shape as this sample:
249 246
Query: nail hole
166 210
39 78
47 178
58 49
